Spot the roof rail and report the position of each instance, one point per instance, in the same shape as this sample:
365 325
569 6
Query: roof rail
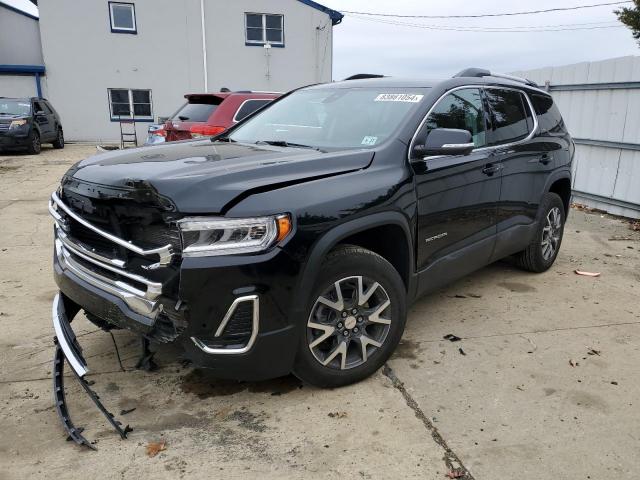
481 72
473 72
361 76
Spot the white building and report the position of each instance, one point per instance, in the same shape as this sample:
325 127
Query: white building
21 65
158 50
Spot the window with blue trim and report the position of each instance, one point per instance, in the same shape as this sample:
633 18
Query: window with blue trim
127 103
122 17
263 28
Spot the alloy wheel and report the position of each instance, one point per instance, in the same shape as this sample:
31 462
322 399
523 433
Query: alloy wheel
36 143
348 324
551 233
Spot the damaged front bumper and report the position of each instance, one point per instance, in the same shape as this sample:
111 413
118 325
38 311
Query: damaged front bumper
67 347
230 314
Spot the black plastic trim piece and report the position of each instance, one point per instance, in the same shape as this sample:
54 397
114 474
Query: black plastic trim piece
74 432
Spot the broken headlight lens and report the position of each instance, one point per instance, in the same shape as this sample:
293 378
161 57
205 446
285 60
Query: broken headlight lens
17 123
203 236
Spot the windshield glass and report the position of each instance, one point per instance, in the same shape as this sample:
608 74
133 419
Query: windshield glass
332 118
14 107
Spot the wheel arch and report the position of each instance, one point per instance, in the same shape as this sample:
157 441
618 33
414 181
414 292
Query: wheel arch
354 232
561 185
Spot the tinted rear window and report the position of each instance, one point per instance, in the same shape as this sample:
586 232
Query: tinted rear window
248 107
549 116
197 109
510 116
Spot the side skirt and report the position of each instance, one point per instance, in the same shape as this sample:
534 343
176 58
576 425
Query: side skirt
456 265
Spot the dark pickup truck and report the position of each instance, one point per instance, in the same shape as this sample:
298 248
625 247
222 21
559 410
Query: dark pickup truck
295 241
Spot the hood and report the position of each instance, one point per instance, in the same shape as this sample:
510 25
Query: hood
13 116
209 177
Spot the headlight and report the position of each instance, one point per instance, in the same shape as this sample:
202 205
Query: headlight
17 123
203 236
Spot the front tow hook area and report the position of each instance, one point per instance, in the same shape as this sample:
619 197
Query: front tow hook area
67 348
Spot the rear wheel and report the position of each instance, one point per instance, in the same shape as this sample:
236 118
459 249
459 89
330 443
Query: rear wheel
544 248
59 141
34 143
356 316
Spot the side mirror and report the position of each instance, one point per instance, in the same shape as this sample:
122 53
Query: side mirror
40 113
445 141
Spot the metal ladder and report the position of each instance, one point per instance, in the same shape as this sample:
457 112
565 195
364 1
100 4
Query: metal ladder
128 136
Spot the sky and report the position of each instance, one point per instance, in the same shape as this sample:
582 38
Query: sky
365 46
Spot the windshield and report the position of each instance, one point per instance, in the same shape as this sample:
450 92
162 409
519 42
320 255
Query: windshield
332 118
14 107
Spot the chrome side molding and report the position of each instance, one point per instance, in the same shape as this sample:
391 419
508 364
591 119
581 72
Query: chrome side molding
254 328
165 253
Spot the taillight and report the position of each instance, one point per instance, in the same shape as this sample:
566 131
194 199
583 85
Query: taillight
205 130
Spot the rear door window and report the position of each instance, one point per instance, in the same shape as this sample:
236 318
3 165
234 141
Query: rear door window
47 109
510 116
248 107
549 116
197 109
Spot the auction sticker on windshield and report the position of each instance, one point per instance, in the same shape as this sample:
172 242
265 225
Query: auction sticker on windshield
398 97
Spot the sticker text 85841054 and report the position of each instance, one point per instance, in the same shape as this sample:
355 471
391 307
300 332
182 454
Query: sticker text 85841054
398 97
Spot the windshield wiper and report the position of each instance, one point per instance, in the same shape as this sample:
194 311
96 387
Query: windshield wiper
283 143
225 138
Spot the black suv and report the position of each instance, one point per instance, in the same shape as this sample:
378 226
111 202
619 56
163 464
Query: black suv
295 241
27 123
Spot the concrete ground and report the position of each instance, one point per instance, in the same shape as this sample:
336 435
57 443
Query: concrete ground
544 383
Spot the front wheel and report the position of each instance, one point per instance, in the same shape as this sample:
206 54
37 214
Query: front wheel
356 317
544 248
34 143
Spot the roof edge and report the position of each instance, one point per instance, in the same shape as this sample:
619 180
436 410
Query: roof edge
335 16
18 11
22 68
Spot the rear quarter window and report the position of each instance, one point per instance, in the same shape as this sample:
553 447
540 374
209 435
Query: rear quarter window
248 107
549 117
510 116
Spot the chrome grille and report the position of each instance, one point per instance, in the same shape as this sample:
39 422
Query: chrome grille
100 258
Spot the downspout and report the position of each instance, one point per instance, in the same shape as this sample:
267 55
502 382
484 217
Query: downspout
38 86
204 47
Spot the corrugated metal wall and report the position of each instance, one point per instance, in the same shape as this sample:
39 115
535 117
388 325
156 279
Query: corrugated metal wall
600 102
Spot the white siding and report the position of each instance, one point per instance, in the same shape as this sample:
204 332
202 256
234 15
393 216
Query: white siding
19 86
19 39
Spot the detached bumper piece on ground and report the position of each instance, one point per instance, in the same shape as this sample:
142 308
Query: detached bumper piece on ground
67 347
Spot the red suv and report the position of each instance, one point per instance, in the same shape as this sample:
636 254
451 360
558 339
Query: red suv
207 114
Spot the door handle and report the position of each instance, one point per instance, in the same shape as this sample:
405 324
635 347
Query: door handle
545 158
491 168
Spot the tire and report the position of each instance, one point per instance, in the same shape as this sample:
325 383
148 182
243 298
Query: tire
59 141
544 248
366 282
34 143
